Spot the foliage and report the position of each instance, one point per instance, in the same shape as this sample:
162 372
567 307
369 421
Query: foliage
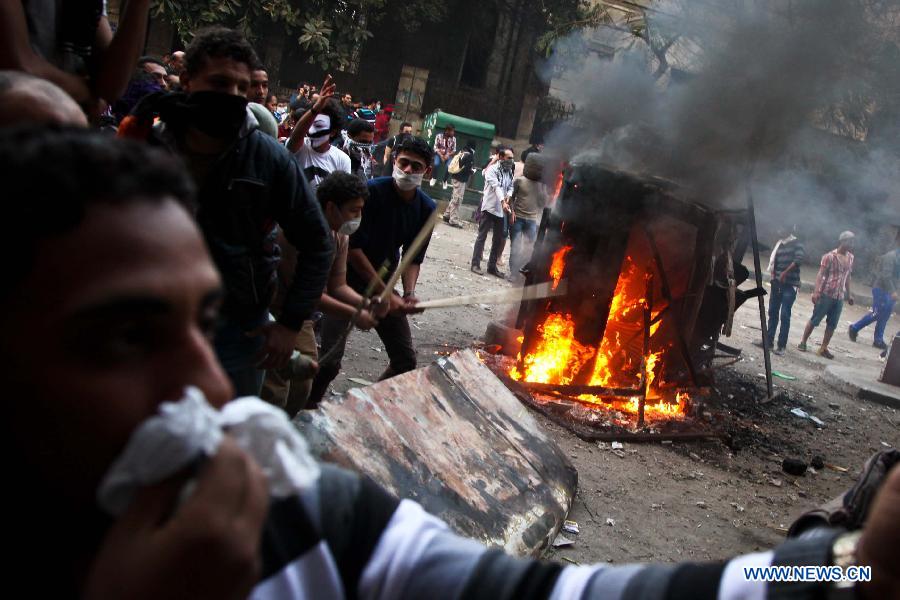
330 31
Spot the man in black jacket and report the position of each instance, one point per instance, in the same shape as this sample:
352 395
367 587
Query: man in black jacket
247 186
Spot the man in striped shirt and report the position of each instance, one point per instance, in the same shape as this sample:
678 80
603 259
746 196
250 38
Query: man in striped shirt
832 288
108 310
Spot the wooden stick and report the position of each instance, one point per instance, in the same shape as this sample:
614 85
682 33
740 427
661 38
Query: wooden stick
530 292
409 254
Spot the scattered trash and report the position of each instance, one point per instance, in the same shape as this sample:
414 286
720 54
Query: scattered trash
693 456
784 376
562 542
799 412
666 442
570 527
885 444
776 482
376 349
655 506
569 560
837 468
610 521
817 462
359 380
794 466
619 445
737 507
619 453
700 504
834 406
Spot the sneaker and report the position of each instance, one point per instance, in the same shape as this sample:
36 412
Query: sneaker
880 345
478 270
432 182
778 352
801 346
824 353
852 333
496 273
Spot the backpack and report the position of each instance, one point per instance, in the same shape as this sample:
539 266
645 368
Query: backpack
455 167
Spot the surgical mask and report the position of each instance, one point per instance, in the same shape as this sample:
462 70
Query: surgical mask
508 164
217 114
407 181
350 227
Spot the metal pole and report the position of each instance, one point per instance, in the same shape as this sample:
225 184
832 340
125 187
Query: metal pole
645 376
751 219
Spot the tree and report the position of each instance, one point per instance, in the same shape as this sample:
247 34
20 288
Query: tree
330 31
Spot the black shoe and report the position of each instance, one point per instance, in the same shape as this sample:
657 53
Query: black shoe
477 269
496 273
852 333
880 345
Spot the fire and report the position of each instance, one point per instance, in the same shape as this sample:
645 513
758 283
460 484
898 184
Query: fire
558 188
561 354
557 357
557 264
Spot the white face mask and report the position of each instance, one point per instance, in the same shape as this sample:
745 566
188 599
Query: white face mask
350 227
407 181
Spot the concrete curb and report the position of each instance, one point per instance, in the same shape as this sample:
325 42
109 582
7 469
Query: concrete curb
862 384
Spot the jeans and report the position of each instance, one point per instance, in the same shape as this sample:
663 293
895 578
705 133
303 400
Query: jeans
882 307
237 353
780 302
438 163
493 224
395 334
521 232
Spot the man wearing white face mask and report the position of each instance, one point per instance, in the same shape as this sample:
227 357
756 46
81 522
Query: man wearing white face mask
342 197
311 138
393 215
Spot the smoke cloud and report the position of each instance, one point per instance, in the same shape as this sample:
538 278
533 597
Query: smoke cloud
796 100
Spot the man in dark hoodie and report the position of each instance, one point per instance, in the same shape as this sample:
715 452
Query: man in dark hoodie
248 185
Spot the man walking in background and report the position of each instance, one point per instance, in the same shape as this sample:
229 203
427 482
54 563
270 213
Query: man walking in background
444 149
461 167
498 184
784 272
529 197
832 288
885 285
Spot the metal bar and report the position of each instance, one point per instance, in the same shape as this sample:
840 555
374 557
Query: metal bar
751 219
625 436
667 295
594 390
645 376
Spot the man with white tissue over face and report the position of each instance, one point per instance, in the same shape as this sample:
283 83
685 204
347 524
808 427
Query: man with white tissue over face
395 212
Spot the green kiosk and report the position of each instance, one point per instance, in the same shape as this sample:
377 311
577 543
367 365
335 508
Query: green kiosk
466 129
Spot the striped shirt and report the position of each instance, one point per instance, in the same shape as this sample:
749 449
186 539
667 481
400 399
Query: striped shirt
834 274
445 145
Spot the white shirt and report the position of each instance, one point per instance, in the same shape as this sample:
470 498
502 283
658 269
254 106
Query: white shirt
319 165
497 187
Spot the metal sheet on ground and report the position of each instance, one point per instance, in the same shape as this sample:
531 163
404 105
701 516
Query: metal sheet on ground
452 437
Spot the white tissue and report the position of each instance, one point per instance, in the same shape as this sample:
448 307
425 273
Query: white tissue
190 428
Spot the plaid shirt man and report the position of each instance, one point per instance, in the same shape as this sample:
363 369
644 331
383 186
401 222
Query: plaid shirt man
445 145
834 274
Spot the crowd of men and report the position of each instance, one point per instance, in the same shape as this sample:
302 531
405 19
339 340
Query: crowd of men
830 291
191 251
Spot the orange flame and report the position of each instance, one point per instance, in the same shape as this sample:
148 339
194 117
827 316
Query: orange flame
557 356
557 264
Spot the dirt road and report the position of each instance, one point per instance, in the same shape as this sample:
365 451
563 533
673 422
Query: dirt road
679 501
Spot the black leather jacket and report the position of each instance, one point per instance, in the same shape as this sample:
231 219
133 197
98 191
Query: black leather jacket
254 187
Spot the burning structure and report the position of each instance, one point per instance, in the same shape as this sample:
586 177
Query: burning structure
651 284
